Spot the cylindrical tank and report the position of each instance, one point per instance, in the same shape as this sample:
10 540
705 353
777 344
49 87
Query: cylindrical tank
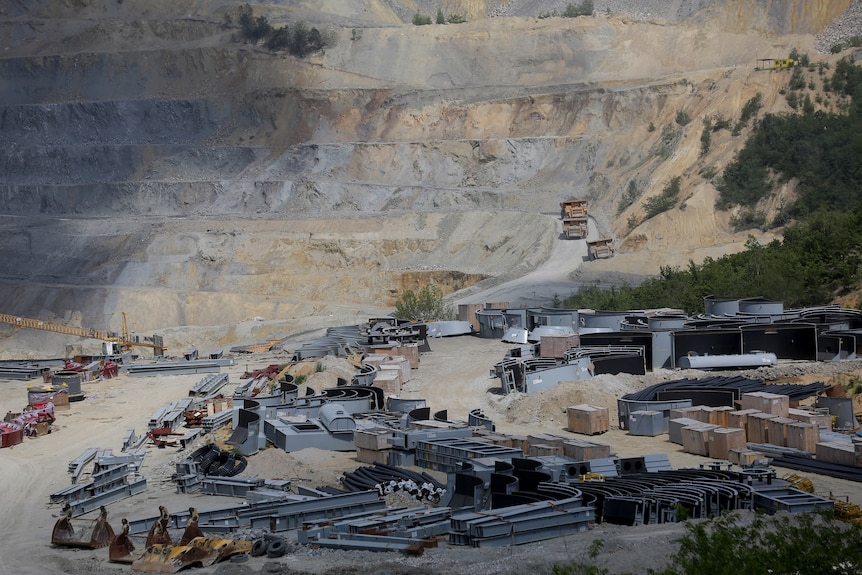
71 380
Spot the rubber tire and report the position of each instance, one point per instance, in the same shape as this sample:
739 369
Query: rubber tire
276 548
259 548
239 558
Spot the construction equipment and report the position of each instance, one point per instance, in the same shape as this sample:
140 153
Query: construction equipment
574 216
98 534
601 249
203 551
121 548
575 228
573 209
158 534
112 341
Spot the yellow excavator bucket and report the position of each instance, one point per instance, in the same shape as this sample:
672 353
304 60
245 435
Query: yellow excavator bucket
202 551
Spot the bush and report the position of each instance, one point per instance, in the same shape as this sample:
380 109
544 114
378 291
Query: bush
426 304
747 219
751 108
629 196
585 8
654 205
421 19
798 543
441 19
457 19
682 118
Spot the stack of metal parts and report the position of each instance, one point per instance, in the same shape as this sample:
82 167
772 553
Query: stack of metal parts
712 391
207 470
210 386
113 478
274 516
410 531
389 479
521 524
20 371
447 453
170 415
176 367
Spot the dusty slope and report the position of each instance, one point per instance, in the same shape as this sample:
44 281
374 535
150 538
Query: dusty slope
190 179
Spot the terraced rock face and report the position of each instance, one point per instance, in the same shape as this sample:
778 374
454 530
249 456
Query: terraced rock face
151 161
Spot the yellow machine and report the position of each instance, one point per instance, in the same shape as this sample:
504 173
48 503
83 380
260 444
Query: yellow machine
113 341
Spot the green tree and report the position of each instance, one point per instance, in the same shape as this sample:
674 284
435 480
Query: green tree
426 304
788 545
441 19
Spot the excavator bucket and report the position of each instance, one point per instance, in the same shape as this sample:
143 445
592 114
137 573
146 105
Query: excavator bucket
223 548
122 548
201 551
94 536
158 534
192 530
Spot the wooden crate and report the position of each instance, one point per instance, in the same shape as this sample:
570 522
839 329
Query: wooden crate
719 415
588 419
494 439
723 439
743 456
467 312
773 403
389 381
583 450
372 456
739 418
545 439
695 438
842 452
372 439
685 412
540 450
820 419
804 436
399 365
758 427
777 430
675 427
521 442
556 346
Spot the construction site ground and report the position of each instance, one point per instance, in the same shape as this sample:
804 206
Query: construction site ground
454 375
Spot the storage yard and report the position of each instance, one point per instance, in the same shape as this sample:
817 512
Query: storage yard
571 431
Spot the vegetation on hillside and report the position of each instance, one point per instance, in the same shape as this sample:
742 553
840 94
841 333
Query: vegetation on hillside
820 256
425 305
785 545
298 39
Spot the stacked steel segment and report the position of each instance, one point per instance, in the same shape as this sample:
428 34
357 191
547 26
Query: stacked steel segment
522 524
409 531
